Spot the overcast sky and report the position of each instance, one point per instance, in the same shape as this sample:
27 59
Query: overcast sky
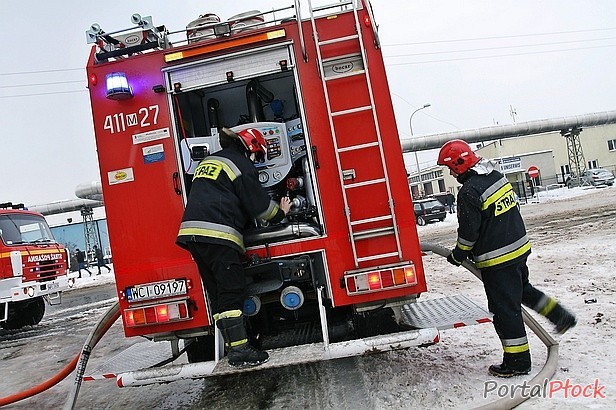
474 61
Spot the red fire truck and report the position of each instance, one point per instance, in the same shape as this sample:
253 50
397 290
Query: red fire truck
345 266
33 267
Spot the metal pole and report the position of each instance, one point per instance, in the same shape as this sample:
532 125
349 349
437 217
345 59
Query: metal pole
416 158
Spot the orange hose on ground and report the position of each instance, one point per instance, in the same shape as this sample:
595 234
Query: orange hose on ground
41 387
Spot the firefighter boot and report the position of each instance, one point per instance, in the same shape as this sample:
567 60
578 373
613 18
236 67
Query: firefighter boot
515 364
561 317
239 352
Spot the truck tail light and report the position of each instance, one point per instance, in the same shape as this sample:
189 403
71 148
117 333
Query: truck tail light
374 280
399 277
162 313
378 280
387 278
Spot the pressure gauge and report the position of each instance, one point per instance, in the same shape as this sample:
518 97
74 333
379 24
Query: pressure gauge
263 177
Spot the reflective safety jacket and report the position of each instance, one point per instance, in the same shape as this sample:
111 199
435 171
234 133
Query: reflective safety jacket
225 195
491 230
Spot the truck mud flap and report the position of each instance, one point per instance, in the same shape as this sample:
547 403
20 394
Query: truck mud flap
280 358
445 313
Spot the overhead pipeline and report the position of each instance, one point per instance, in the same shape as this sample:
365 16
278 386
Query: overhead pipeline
433 141
89 195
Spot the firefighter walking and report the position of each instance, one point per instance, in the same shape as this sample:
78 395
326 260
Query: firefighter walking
491 232
225 195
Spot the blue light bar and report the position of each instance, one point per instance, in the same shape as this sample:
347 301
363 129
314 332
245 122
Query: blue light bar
117 87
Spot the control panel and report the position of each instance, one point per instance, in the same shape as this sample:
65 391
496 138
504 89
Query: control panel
277 162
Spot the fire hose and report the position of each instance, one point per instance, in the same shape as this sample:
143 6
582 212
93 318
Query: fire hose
95 335
108 319
549 368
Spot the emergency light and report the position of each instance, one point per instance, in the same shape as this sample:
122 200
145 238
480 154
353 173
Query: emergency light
117 87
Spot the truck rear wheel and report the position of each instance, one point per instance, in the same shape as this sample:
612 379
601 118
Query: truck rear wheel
25 313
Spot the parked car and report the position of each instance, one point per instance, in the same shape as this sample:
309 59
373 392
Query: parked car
594 177
598 176
428 210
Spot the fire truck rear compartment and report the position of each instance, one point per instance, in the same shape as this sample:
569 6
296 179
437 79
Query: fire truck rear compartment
269 103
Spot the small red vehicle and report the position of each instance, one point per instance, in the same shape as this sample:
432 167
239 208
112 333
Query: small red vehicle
33 267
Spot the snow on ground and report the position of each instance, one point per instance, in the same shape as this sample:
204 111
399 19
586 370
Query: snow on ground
88 280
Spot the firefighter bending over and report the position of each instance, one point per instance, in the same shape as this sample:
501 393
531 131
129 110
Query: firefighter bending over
491 232
224 197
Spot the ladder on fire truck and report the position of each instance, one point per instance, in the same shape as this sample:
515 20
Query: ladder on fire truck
355 232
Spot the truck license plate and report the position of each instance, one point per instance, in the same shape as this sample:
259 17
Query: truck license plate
156 290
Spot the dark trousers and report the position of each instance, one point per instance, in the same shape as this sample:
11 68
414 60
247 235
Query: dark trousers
507 289
221 269
84 266
100 264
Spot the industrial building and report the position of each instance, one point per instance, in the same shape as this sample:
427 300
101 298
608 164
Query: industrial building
552 153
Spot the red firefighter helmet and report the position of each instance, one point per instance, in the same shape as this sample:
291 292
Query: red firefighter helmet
458 156
253 141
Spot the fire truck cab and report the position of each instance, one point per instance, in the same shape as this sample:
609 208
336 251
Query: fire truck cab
33 267
346 261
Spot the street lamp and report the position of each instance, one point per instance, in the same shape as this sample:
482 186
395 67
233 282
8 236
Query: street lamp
411 128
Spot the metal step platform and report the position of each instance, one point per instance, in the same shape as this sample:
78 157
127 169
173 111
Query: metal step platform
133 366
445 313
283 357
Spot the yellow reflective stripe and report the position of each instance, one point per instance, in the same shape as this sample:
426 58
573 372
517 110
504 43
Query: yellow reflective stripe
505 203
463 247
495 196
211 234
504 258
225 167
239 342
272 213
549 306
32 252
227 314
516 349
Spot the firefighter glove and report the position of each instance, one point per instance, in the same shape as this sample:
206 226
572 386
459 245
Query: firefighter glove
451 259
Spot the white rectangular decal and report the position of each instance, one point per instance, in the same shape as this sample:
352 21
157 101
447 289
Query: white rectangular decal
508 165
120 176
153 153
153 135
